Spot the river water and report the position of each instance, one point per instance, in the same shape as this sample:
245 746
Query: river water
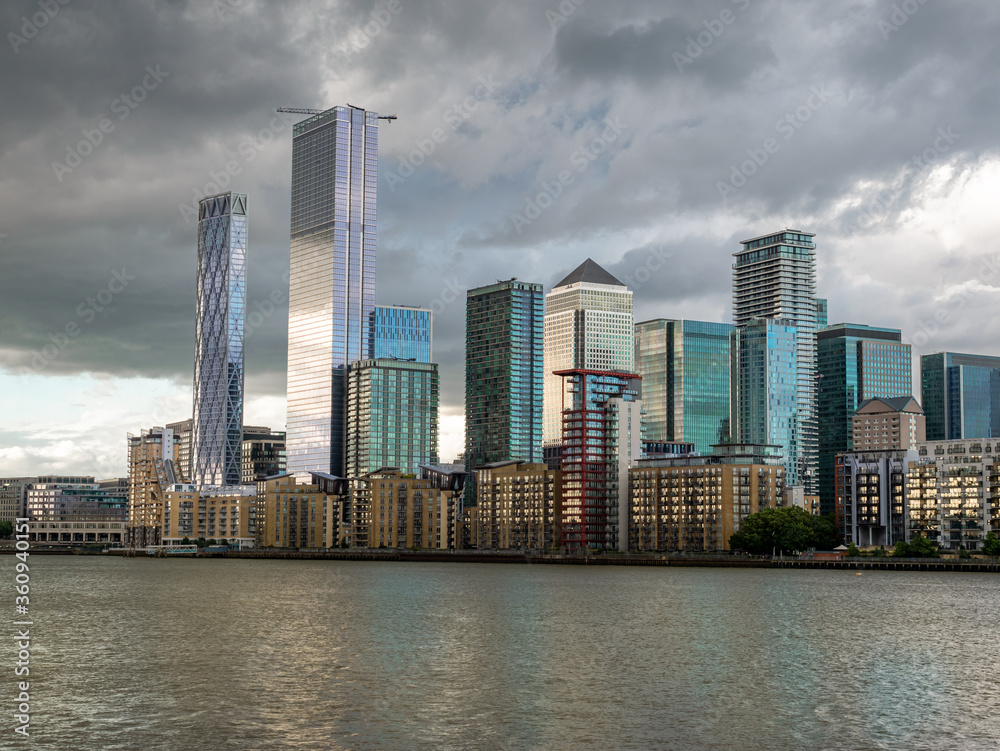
250 654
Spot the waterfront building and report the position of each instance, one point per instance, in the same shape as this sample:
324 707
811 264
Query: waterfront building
855 363
871 495
392 415
14 497
519 506
151 466
503 375
764 390
589 326
304 515
331 296
696 503
399 332
960 395
602 437
774 278
953 492
403 511
182 457
220 309
67 512
263 454
685 369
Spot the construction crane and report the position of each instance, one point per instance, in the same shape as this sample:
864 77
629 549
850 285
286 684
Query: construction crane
303 111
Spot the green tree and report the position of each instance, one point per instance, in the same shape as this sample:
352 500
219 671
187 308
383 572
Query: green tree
853 550
918 547
6 530
785 530
991 545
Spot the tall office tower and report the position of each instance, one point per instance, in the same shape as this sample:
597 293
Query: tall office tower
602 438
220 300
331 291
763 385
392 416
774 277
588 325
503 375
961 395
685 380
402 333
854 363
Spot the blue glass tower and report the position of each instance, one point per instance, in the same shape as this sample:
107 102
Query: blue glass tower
503 373
220 303
331 294
961 395
685 380
764 385
854 363
401 333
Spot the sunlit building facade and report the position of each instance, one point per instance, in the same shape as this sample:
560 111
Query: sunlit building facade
220 309
519 506
960 395
588 325
685 369
774 278
331 295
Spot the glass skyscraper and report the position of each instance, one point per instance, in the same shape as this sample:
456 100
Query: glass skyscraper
401 333
685 371
854 363
774 277
589 325
961 395
331 294
220 304
764 386
503 373
392 416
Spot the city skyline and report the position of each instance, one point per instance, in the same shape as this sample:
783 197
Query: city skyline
897 193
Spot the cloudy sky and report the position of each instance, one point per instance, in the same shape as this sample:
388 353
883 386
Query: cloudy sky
532 134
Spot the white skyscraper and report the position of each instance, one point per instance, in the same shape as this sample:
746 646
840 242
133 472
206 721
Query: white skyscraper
588 325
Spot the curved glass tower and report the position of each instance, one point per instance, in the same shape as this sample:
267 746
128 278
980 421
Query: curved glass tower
331 295
220 300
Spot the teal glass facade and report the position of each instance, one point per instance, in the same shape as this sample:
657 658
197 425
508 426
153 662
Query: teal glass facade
685 369
961 395
503 374
854 363
764 387
392 416
401 333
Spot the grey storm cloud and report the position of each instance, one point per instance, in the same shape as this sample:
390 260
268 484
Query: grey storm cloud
729 118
